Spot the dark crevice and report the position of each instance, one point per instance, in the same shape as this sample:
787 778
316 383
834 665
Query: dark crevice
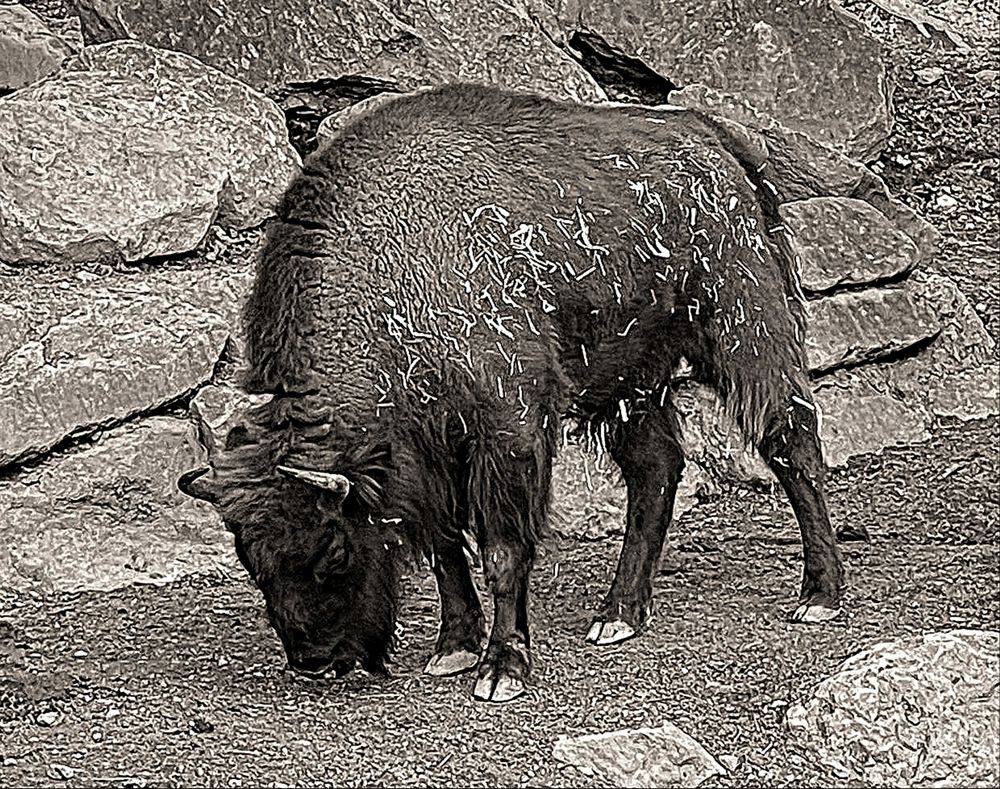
856 287
623 78
306 104
891 357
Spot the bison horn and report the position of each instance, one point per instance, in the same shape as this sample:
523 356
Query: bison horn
337 484
199 483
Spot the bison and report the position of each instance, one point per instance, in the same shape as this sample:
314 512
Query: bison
454 282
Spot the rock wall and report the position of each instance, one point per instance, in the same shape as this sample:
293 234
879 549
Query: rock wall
136 180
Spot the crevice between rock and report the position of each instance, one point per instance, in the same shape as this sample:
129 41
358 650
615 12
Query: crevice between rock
623 78
899 278
890 357
306 104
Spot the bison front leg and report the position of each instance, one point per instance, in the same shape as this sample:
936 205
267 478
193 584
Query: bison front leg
460 639
648 452
507 662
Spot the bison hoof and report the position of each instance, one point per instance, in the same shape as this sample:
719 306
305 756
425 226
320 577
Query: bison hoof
491 687
603 633
811 613
452 663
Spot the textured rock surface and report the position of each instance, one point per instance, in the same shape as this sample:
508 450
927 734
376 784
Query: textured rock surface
410 43
809 65
132 152
28 49
79 352
109 514
861 414
920 711
664 756
841 241
861 326
216 409
957 375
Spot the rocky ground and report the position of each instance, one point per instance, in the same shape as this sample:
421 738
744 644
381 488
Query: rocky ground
183 684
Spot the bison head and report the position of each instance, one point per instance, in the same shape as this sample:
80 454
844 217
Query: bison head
314 544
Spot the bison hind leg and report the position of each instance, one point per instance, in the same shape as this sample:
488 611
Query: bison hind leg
647 449
791 448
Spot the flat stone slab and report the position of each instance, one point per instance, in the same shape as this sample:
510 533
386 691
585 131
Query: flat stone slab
862 326
132 152
919 711
121 345
842 241
811 66
416 43
648 757
28 49
109 514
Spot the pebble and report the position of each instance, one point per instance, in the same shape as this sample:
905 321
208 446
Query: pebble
50 718
946 201
80 653
61 772
730 762
986 75
929 75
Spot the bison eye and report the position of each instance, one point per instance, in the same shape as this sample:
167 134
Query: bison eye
332 560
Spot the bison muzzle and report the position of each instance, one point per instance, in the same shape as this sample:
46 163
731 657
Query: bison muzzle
456 276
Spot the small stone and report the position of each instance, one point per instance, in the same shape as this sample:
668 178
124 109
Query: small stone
730 761
929 75
50 718
60 772
982 307
664 756
80 653
986 75
946 201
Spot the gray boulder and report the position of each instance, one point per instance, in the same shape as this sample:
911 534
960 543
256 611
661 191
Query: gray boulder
409 44
28 49
131 152
862 326
862 415
109 514
842 241
918 711
81 352
810 66
957 375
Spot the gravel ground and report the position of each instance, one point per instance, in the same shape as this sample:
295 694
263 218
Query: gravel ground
184 684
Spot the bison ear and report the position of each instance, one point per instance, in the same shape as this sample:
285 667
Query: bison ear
337 484
199 483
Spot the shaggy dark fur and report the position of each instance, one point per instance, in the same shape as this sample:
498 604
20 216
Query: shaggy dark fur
450 277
